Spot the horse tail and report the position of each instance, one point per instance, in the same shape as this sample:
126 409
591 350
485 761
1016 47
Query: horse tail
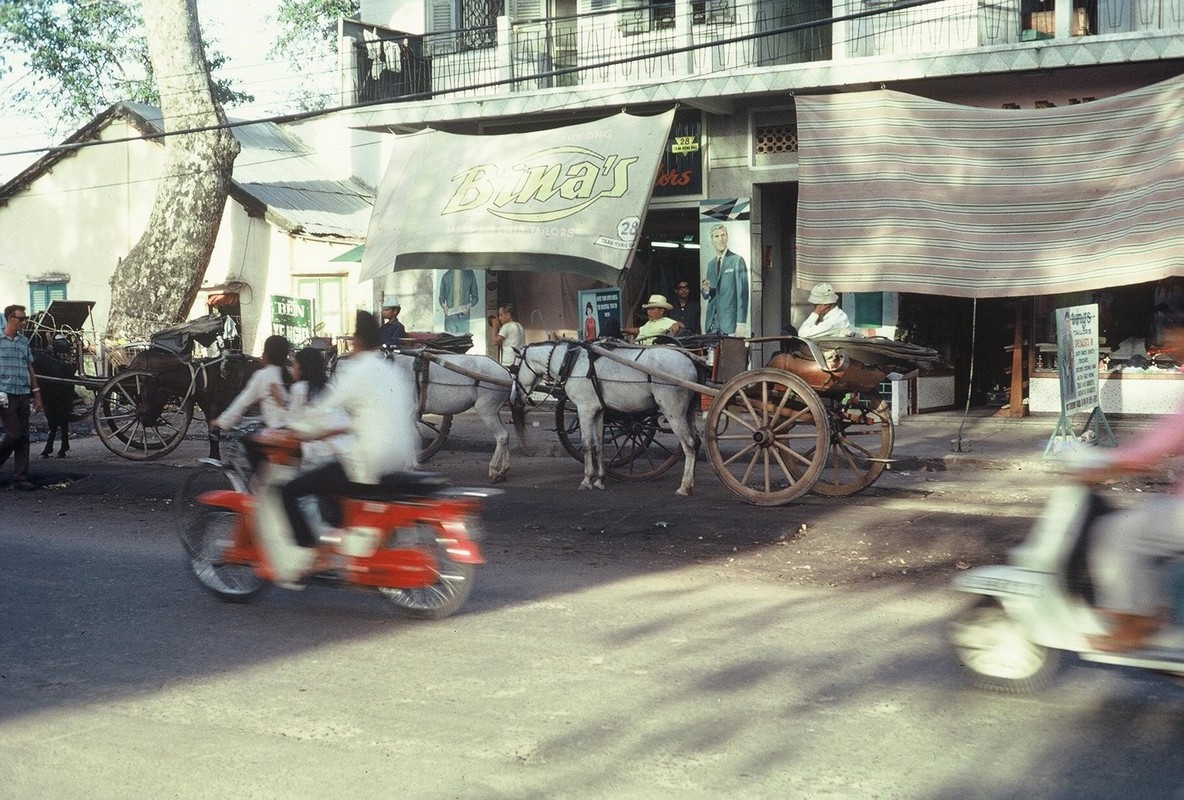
693 405
518 416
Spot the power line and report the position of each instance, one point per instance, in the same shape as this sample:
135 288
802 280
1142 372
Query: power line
281 119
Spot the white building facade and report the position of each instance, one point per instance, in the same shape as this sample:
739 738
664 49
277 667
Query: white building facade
733 70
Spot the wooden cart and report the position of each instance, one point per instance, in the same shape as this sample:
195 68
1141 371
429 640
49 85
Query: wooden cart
811 419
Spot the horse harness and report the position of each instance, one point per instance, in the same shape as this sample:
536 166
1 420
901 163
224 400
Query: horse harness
423 360
570 356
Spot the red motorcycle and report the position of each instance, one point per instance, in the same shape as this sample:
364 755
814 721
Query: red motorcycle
410 537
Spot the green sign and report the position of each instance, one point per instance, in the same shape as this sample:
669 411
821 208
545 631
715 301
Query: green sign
291 317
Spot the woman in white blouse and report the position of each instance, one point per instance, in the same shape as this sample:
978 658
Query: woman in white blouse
268 387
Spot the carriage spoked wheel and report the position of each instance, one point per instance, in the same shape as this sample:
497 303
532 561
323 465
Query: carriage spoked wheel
433 430
138 418
861 439
765 433
637 447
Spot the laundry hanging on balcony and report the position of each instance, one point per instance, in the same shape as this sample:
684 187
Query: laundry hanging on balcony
569 199
902 193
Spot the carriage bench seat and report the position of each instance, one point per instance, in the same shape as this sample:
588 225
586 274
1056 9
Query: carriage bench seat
400 486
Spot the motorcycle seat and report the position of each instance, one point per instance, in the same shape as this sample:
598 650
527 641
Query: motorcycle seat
396 486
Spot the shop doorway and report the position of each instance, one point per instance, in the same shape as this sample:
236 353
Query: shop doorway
975 343
667 253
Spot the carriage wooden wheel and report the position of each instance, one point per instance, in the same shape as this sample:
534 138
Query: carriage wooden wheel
433 430
138 418
861 439
637 447
766 436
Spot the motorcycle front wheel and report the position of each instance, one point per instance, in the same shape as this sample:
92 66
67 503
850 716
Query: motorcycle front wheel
451 588
996 650
206 542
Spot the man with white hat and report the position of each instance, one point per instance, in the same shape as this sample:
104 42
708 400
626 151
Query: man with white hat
392 330
827 319
658 323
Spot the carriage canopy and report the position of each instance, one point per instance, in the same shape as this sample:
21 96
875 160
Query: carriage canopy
178 339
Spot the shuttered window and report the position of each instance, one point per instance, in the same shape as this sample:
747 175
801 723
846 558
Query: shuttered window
41 294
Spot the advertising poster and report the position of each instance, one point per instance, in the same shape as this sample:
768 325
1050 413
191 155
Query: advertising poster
724 257
600 313
460 301
291 317
1077 356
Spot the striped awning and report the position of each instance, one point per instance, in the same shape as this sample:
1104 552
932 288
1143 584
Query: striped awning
902 193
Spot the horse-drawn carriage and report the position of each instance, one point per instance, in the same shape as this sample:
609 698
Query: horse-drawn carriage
812 419
143 408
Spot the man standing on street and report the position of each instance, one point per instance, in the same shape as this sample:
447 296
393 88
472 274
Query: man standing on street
19 384
508 335
391 330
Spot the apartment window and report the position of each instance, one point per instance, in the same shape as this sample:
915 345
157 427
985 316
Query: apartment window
328 303
42 293
463 24
646 15
713 12
478 20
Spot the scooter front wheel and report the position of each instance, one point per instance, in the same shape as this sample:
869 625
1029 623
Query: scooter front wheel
996 650
208 542
447 593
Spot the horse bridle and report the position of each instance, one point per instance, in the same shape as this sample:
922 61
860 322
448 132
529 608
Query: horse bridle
520 362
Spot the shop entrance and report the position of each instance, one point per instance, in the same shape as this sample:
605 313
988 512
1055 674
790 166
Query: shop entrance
667 253
956 329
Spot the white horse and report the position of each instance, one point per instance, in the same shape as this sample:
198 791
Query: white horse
595 382
449 383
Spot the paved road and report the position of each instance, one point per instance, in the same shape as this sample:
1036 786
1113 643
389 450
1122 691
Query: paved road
621 644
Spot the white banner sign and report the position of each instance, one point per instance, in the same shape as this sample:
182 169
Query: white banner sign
1077 356
570 199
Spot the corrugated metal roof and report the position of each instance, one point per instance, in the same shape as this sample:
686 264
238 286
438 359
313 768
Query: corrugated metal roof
275 169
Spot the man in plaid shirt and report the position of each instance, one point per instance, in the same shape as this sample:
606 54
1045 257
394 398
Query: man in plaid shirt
19 385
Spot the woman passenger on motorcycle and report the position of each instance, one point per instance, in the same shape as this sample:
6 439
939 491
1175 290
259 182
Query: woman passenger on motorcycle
268 387
1130 547
309 381
378 404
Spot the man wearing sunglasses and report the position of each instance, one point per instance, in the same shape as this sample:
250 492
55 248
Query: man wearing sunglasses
19 385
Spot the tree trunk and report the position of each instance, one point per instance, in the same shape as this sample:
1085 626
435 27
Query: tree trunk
156 284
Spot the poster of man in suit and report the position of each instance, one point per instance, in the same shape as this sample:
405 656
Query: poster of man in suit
459 297
724 281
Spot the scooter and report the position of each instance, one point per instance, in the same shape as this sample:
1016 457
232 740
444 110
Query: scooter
1041 605
410 537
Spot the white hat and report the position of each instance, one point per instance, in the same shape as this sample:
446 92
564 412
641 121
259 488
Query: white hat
823 295
391 301
657 301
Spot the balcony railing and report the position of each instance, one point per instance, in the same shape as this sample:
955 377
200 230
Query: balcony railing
657 40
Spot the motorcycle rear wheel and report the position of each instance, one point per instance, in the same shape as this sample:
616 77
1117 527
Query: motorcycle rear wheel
997 652
206 541
452 587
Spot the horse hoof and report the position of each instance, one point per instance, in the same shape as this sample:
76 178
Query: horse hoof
47 455
684 492
497 478
598 485
61 455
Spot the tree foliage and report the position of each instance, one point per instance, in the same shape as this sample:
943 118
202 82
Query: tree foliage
308 34
302 22
81 56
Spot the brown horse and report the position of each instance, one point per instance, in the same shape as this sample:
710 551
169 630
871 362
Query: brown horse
211 384
57 398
